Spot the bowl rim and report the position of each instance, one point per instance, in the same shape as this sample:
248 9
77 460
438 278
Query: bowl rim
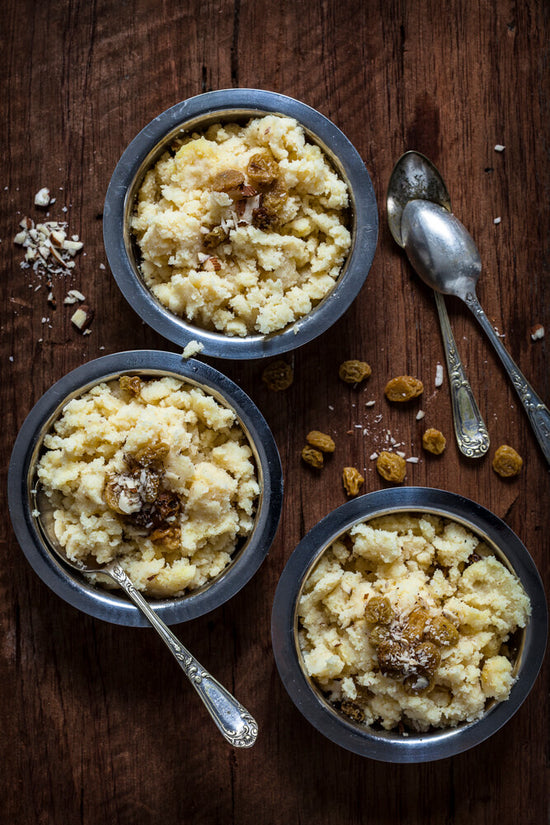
109 605
381 745
249 102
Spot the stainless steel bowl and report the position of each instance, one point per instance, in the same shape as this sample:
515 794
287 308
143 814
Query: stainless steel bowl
197 113
392 746
112 606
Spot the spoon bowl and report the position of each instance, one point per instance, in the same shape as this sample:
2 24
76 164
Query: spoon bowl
440 249
445 256
413 177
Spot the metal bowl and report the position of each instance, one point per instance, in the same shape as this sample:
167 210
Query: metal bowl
197 113
113 606
391 746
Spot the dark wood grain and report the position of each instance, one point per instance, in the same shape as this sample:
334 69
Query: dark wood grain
97 724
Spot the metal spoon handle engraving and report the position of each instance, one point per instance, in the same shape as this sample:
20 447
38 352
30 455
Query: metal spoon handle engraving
470 430
537 412
234 722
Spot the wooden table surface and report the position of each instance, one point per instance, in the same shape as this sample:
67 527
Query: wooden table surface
97 724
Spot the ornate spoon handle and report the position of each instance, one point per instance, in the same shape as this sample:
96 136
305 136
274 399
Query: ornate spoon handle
234 722
470 430
537 411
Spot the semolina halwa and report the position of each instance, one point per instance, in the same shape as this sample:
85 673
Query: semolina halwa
242 229
405 622
155 473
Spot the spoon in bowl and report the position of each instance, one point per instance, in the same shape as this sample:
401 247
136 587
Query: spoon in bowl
445 256
415 177
234 722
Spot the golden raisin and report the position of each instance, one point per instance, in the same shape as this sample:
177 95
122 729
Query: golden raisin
278 375
392 657
312 457
150 454
434 441
415 624
352 710
261 168
264 219
228 181
215 237
391 467
169 537
112 492
130 383
159 513
378 610
353 480
378 634
321 441
427 657
403 388
441 631
507 462
352 372
274 197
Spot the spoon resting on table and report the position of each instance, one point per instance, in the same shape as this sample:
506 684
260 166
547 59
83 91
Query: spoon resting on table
445 256
415 177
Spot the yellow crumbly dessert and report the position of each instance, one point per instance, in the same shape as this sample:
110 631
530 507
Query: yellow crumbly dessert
155 473
242 229
404 623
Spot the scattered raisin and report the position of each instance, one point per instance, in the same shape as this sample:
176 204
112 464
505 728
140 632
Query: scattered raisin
391 467
507 462
313 457
434 441
352 710
378 610
230 181
130 383
352 372
278 375
403 388
215 237
353 480
321 441
261 168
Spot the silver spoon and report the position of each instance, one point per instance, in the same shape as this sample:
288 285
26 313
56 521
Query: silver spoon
234 722
415 177
446 258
